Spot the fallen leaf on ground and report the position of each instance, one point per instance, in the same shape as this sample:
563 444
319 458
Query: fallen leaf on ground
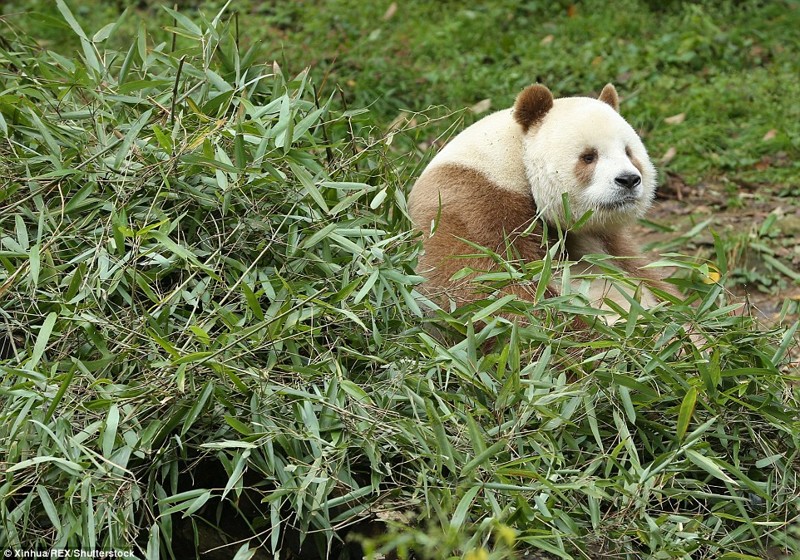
676 119
390 12
764 163
669 155
481 106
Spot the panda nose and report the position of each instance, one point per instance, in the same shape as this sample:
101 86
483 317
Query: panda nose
628 180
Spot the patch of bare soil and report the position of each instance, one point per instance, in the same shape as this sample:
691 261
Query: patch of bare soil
740 213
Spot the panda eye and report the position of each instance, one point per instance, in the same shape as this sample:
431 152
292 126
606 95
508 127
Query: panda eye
589 156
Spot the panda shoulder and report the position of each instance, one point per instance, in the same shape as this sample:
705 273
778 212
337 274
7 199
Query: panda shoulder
491 147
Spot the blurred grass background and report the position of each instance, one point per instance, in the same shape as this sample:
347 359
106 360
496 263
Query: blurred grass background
730 67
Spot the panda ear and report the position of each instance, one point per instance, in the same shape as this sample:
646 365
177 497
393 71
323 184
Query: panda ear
610 97
532 105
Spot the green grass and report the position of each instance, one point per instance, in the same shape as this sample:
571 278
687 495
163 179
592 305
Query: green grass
210 335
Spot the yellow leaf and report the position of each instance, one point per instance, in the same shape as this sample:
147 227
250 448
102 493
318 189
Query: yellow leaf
506 535
713 276
477 554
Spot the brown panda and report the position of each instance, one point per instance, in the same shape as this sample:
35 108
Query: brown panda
497 177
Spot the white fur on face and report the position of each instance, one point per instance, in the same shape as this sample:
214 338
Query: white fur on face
581 127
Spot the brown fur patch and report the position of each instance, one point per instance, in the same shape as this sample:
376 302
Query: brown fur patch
610 97
585 171
532 105
476 209
636 163
473 208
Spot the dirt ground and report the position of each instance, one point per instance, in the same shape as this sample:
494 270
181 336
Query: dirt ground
739 219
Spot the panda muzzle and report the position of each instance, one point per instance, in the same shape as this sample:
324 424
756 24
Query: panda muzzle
628 181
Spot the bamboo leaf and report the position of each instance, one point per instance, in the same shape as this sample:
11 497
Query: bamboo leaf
197 503
493 307
130 137
482 457
787 340
34 265
42 339
245 552
685 412
70 19
464 505
110 431
197 407
49 507
62 389
708 465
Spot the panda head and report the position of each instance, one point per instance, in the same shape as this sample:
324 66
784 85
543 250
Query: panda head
584 148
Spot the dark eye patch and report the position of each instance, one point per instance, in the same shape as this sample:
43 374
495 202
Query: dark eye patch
589 156
628 152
